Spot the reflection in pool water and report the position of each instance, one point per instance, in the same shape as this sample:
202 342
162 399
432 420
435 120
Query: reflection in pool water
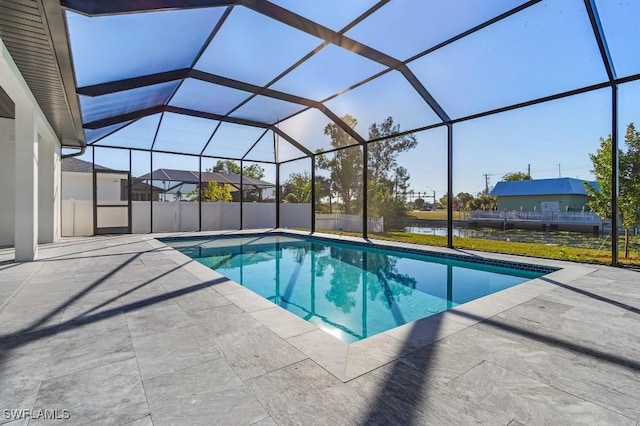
350 291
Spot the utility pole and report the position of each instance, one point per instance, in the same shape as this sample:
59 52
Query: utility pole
486 183
529 170
559 171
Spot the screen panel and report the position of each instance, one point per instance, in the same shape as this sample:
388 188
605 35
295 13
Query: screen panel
295 195
313 130
494 157
327 72
267 110
628 142
138 134
220 194
183 133
114 104
233 140
202 96
407 180
419 25
286 151
620 24
108 48
142 193
334 14
258 195
92 135
545 49
177 209
254 57
389 95
339 189
263 150
112 180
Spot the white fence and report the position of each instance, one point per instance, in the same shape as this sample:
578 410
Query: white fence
77 217
183 216
574 218
347 222
295 215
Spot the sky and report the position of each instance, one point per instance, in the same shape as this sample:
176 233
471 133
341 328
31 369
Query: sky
545 49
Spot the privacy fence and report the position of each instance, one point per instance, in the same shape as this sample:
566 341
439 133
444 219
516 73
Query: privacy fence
183 216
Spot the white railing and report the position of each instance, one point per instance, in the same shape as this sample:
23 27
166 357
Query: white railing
576 218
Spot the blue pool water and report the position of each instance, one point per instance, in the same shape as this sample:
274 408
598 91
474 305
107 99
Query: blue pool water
351 291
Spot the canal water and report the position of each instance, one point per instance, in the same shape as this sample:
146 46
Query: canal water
559 238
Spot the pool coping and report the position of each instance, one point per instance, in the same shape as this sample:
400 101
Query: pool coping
348 361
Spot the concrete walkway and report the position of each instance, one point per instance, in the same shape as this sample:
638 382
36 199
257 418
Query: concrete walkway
122 330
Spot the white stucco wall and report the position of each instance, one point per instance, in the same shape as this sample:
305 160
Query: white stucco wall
49 166
48 184
7 181
58 191
79 186
24 186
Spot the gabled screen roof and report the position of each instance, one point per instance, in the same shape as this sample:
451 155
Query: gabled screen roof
225 78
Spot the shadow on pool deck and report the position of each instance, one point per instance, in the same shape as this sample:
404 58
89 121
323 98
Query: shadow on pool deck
406 386
399 398
594 296
33 333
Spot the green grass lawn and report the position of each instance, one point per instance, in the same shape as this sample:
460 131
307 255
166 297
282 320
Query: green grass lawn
436 215
572 254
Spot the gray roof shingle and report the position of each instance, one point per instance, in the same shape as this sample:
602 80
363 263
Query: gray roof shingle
186 176
73 164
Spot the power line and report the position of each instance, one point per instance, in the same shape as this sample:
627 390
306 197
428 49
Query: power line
544 170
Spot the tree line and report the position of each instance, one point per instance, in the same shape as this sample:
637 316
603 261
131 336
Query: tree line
342 190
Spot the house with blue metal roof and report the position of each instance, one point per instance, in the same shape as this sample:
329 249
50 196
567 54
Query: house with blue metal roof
559 194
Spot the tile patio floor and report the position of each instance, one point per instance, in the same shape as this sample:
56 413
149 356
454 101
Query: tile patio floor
122 330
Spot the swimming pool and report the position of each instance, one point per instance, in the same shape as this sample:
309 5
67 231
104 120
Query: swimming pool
352 291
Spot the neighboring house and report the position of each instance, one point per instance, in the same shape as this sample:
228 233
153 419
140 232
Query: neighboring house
141 191
177 184
77 179
77 183
559 194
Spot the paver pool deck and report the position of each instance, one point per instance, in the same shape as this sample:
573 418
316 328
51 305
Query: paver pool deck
124 330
